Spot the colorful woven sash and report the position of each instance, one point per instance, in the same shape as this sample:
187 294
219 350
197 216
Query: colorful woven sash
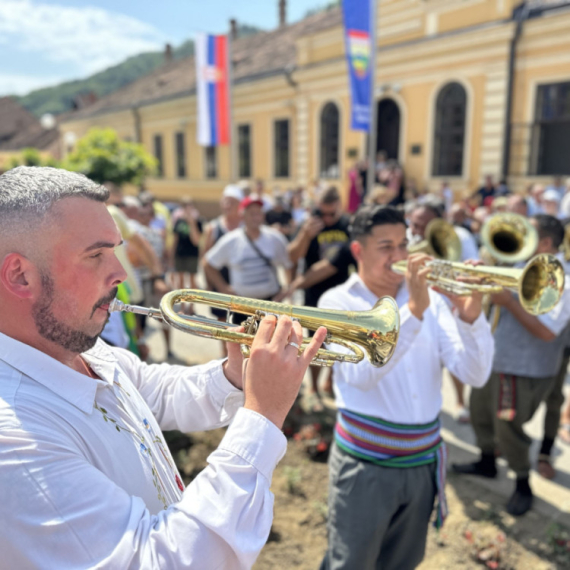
394 445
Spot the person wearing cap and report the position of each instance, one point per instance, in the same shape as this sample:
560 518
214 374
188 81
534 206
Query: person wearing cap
252 253
279 217
551 202
227 221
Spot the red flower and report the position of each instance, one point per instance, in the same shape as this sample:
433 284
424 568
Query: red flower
179 483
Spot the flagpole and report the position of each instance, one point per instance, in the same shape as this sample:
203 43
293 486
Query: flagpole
373 107
233 173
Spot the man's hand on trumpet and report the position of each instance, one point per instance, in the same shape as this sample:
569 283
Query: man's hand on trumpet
416 280
468 307
274 372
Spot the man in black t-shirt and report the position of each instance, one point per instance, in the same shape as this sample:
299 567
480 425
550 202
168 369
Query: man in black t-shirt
320 237
279 217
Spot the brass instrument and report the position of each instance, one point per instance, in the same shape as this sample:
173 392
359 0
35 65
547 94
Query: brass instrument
508 238
373 333
440 241
539 284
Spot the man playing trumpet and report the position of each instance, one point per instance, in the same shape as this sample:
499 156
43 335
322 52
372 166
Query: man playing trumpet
86 478
528 357
388 461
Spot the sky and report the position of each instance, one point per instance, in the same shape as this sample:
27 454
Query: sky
45 42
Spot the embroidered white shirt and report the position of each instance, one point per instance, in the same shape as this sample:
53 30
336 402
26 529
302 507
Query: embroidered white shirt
407 389
87 481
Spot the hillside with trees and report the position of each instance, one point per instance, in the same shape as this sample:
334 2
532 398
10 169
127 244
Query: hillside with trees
61 98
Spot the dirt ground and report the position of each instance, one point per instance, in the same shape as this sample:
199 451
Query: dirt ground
478 532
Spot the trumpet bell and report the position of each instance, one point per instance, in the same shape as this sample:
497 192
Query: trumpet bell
541 284
509 238
441 241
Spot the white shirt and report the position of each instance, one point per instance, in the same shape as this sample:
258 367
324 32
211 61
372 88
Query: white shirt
250 275
447 195
469 249
565 205
408 388
87 481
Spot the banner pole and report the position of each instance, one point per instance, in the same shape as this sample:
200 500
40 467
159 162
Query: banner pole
373 107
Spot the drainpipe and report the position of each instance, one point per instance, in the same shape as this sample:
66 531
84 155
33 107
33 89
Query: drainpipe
521 17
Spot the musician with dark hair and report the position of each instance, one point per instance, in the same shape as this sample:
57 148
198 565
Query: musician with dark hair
86 478
529 353
387 464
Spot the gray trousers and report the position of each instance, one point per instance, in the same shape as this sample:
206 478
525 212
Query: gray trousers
509 435
378 516
554 401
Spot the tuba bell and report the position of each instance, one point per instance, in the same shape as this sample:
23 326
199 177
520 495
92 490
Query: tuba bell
508 238
441 241
372 333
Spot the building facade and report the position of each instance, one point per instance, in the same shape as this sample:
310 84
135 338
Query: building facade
465 88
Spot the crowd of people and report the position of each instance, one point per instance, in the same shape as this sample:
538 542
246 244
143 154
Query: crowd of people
72 406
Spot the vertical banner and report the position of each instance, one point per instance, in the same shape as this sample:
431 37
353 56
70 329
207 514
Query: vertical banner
358 37
213 90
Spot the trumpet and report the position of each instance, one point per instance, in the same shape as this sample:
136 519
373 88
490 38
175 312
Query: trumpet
440 241
373 333
508 238
539 284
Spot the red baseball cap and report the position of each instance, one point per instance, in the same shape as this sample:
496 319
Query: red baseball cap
250 200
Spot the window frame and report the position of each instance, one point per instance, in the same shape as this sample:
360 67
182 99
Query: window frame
158 153
540 123
325 139
180 154
210 174
245 173
448 132
283 172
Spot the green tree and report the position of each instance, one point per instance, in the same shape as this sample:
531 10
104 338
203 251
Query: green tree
31 157
102 156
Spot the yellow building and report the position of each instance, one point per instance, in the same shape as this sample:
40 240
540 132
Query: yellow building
465 88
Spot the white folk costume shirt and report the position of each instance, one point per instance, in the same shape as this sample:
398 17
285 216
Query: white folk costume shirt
407 389
87 481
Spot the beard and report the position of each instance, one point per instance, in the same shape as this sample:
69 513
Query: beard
54 330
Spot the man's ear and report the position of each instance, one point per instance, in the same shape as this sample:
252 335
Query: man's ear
18 276
356 250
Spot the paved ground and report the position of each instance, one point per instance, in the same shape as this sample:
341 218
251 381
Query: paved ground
553 497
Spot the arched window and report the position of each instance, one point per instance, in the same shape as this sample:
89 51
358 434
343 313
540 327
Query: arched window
449 136
330 137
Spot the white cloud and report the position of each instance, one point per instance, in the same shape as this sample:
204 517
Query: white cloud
90 39
17 84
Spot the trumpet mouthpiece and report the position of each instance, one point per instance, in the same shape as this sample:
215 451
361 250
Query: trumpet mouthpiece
116 305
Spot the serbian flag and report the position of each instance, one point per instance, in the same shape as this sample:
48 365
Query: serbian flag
213 90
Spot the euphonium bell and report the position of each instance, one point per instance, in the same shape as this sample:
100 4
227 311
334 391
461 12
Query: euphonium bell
373 333
440 241
509 238
539 284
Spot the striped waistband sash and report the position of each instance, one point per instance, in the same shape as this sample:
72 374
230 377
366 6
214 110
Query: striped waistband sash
395 445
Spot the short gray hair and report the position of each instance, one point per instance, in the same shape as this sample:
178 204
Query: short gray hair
27 193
